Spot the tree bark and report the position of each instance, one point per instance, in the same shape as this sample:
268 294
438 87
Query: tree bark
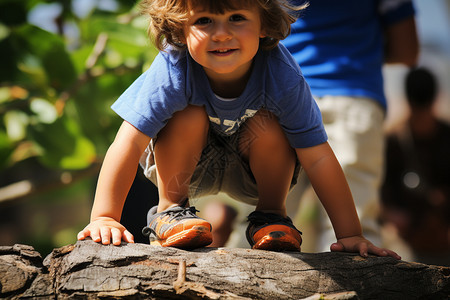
88 270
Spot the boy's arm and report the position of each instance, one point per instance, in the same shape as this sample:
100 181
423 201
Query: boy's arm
330 185
116 177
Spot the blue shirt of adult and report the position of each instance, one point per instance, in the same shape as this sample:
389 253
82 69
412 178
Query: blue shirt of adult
339 45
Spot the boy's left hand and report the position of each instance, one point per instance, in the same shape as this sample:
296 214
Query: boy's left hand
362 246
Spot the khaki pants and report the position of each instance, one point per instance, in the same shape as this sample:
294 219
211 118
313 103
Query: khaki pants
355 131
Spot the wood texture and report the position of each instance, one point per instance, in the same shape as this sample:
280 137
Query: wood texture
88 270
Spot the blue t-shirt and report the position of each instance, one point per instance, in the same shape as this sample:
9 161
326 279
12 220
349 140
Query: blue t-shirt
175 80
339 45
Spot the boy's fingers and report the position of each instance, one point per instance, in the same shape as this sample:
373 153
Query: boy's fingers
385 252
128 237
394 254
337 247
105 233
95 235
82 235
363 246
116 236
378 251
363 250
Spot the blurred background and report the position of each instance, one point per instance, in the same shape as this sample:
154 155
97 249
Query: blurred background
63 63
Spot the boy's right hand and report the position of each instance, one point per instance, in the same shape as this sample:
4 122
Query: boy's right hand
361 245
104 229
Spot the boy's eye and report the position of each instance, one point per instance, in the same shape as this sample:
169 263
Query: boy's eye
237 18
203 21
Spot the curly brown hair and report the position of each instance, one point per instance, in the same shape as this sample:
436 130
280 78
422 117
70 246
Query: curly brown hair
167 18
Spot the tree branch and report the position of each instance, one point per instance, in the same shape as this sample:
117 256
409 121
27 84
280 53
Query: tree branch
40 184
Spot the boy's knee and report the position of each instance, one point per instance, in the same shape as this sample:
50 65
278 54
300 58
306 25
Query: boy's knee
191 119
264 127
193 115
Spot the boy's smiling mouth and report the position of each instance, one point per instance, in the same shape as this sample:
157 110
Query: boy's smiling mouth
222 52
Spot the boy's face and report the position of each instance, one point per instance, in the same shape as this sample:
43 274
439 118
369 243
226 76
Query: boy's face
224 44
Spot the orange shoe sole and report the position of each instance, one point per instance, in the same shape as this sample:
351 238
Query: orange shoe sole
278 241
192 238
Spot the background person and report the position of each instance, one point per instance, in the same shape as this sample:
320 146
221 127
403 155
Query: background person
416 190
341 48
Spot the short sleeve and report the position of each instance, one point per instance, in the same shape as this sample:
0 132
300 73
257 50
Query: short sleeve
156 95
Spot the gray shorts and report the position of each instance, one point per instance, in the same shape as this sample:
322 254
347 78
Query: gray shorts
221 168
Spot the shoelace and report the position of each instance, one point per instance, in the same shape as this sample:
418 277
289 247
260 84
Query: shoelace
178 212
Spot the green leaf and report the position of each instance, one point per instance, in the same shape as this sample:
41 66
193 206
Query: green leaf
82 157
62 144
6 149
126 33
80 56
8 60
16 123
44 110
50 50
13 12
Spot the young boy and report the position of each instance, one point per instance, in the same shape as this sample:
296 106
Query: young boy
225 108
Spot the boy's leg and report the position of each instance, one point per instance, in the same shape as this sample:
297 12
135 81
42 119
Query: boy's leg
177 151
272 161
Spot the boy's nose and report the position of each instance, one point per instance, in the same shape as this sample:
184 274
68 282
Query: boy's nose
221 32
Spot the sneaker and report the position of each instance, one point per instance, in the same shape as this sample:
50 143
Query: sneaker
273 232
177 227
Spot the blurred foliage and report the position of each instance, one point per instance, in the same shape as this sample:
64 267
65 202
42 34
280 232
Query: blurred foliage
57 84
56 88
